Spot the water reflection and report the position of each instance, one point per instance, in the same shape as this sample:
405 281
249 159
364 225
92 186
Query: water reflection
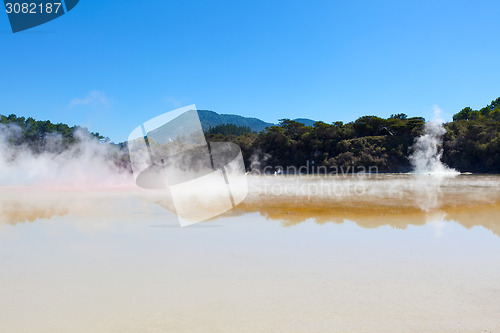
95 265
374 216
393 200
370 202
29 204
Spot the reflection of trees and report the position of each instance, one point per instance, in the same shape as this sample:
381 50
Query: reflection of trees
17 211
32 204
28 206
370 214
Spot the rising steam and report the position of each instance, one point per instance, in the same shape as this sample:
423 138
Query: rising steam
87 163
427 149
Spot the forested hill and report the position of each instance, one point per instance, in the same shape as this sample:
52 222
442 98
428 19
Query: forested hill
471 144
35 133
210 119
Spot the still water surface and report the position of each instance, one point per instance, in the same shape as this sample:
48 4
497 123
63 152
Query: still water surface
387 253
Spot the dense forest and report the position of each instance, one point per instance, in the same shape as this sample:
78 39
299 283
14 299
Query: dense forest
228 129
210 119
36 134
471 143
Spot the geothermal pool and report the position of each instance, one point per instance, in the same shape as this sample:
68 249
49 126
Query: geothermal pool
380 253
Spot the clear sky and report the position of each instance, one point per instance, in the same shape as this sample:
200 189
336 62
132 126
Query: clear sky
111 65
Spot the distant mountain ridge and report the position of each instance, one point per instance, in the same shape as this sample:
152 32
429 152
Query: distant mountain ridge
305 121
211 119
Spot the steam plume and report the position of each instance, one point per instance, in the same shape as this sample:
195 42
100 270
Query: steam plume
427 150
86 163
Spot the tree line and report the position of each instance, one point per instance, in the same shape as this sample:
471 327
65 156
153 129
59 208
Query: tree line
36 134
471 143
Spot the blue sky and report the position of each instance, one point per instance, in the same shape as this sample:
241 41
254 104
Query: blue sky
111 65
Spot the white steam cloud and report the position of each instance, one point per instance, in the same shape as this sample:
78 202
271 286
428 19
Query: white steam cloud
427 149
87 163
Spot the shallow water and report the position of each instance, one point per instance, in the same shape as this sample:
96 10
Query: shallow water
386 253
